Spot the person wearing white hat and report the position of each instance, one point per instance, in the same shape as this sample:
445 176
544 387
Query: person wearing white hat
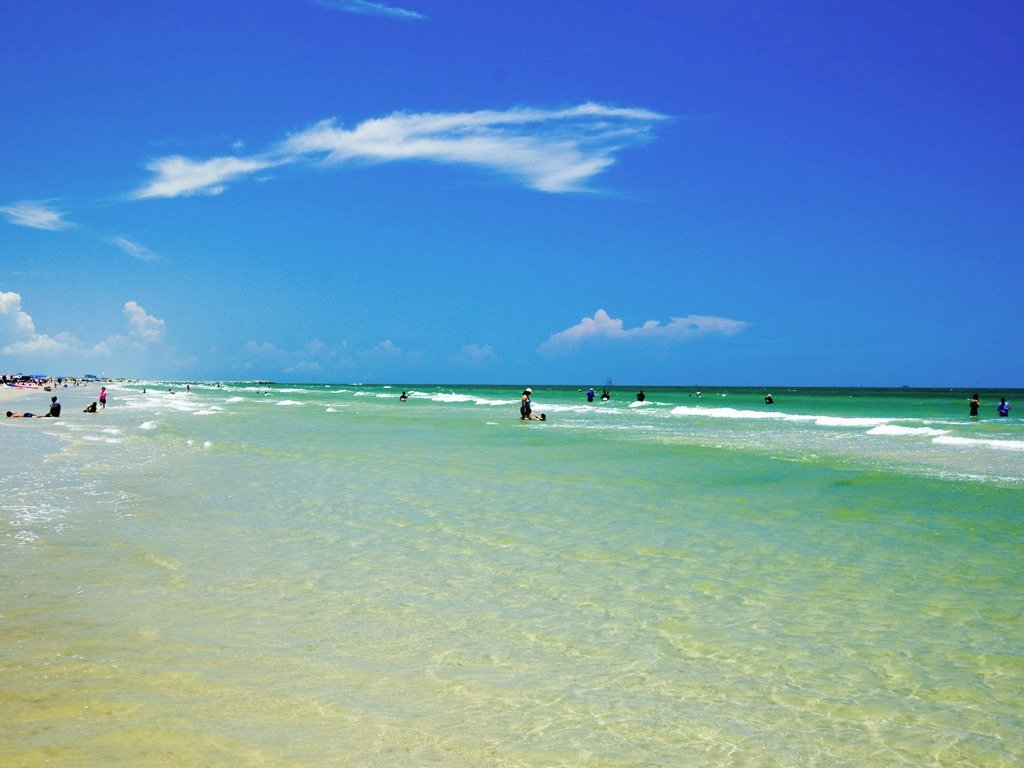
525 407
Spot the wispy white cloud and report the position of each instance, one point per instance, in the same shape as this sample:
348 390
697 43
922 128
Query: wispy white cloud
372 8
133 249
18 333
552 150
310 358
177 176
36 215
604 327
476 355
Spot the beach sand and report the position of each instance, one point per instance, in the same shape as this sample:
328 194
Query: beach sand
13 393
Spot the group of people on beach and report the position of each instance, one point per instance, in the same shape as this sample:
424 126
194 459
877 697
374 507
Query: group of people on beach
55 408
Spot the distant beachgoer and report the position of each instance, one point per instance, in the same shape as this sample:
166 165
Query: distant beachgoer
103 397
54 411
605 396
640 396
1003 408
975 404
590 395
698 393
403 397
12 415
188 388
768 400
90 408
525 406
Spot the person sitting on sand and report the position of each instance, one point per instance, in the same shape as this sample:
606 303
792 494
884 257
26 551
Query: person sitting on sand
90 408
54 411
12 415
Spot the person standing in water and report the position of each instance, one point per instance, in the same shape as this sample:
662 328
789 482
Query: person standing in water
525 406
1003 409
103 397
975 405
590 395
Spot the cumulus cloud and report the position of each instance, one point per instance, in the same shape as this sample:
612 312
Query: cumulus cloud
476 354
371 8
18 332
133 249
142 327
386 348
35 215
604 327
551 150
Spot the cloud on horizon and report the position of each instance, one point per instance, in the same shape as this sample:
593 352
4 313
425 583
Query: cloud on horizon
36 215
603 327
475 355
367 7
548 150
310 358
18 333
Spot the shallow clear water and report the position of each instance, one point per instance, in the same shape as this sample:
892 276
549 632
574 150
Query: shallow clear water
321 575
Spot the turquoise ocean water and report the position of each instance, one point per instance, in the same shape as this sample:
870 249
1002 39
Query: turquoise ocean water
310 575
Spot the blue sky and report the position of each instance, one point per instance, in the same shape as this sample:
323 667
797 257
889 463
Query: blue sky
431 191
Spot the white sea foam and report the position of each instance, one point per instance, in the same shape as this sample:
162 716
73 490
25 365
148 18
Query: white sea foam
896 430
235 399
821 421
452 397
289 402
846 421
331 409
147 425
973 442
